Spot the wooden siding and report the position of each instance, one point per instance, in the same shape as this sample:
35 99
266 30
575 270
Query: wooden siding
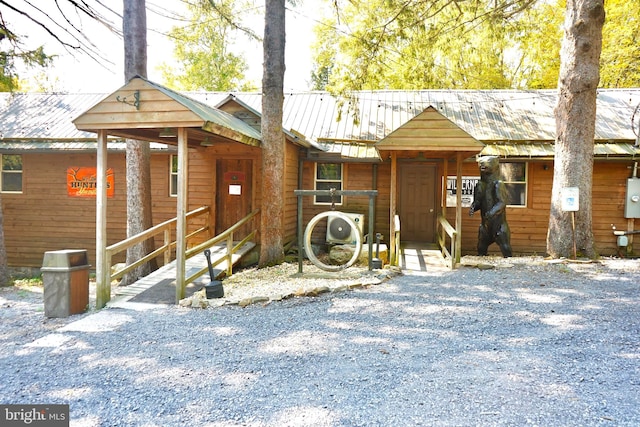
44 218
430 131
242 113
155 109
529 224
208 185
290 212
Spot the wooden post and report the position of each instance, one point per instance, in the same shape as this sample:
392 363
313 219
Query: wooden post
573 231
456 258
181 227
300 235
372 214
631 224
229 255
103 284
393 256
443 200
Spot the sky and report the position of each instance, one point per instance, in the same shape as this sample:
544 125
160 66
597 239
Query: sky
79 73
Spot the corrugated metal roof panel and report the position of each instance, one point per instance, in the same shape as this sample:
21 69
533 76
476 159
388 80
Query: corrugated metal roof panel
57 145
350 149
41 115
529 151
487 115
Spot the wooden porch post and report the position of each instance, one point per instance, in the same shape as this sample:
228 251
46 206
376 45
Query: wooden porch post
443 196
393 196
181 227
103 284
458 207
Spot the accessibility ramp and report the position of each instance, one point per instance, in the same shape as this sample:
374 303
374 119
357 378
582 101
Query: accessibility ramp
159 287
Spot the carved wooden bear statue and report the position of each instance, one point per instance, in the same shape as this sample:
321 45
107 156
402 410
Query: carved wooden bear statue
491 200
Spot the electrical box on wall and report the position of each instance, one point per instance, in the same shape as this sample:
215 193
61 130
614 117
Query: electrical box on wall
632 202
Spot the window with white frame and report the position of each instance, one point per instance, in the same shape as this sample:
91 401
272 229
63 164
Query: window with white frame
173 175
328 176
514 175
11 176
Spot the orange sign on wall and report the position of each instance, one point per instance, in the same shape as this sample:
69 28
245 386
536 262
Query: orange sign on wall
82 182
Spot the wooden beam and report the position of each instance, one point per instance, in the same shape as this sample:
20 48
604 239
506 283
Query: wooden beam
103 284
458 209
394 257
181 224
443 195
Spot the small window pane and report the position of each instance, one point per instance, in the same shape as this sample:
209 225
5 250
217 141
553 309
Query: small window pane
11 162
11 177
12 182
329 186
513 172
174 164
329 171
516 194
328 176
173 176
174 185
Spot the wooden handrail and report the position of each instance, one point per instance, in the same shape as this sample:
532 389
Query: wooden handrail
165 228
228 257
220 237
447 229
231 249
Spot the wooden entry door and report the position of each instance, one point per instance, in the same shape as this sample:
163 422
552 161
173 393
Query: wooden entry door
234 192
417 202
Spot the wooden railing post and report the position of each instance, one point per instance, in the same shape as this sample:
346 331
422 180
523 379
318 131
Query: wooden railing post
167 244
229 255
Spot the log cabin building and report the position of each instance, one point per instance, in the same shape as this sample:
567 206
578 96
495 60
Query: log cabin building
416 148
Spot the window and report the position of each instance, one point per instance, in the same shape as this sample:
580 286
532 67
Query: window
514 176
11 177
173 176
328 176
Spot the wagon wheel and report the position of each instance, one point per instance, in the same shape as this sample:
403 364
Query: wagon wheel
309 250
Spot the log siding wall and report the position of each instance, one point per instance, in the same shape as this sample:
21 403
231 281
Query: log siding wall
44 218
529 224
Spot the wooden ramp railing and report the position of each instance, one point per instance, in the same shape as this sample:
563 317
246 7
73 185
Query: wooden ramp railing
446 233
232 247
168 229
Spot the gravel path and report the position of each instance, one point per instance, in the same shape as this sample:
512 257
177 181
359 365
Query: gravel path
525 342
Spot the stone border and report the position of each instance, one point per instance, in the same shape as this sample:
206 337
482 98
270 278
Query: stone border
199 299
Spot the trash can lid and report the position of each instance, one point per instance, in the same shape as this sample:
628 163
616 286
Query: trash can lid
65 258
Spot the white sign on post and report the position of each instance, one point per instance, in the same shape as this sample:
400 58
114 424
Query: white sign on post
570 199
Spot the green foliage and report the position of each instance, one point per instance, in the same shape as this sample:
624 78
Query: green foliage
12 54
203 49
400 44
619 61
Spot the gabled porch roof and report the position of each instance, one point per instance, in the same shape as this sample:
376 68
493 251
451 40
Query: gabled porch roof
431 132
143 110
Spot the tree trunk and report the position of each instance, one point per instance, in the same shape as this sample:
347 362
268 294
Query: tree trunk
271 250
139 214
575 127
5 279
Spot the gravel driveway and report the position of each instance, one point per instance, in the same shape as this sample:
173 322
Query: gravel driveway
524 343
